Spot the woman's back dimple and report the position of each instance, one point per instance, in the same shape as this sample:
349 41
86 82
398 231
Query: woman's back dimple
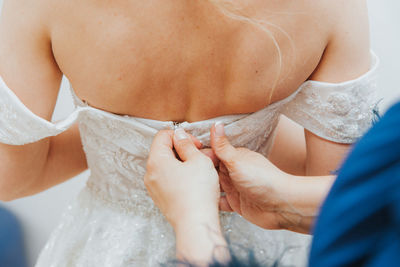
182 61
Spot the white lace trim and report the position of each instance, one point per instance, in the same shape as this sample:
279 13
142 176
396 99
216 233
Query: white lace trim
19 125
339 112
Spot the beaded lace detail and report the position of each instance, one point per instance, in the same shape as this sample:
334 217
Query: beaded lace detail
338 112
114 222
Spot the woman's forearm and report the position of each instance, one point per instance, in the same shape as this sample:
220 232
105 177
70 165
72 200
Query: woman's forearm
302 198
66 159
200 241
29 169
288 151
20 167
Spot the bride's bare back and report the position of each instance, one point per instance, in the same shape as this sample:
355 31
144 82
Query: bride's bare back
185 60
181 60
172 60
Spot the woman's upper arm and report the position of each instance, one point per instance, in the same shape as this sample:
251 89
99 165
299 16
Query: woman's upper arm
300 152
347 54
27 64
28 68
346 57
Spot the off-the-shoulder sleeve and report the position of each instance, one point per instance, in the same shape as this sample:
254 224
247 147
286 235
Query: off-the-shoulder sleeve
19 125
339 112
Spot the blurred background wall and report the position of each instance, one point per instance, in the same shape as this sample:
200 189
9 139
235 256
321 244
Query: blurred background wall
39 214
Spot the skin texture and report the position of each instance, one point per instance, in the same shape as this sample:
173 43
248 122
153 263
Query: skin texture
165 60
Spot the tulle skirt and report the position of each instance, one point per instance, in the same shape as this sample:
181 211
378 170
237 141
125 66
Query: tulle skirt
93 234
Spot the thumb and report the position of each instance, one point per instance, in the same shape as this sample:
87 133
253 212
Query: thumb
220 144
184 146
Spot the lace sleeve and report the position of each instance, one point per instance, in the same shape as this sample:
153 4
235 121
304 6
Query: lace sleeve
19 125
339 112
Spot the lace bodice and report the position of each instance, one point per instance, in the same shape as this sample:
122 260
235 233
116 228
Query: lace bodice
117 147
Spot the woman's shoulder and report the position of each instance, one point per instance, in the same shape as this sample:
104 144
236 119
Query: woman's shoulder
347 54
25 51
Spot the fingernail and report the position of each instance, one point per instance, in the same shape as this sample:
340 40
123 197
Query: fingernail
219 129
180 134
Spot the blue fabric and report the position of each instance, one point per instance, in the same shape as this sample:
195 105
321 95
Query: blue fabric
359 223
12 253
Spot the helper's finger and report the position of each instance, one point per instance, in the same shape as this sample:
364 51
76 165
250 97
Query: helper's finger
225 183
184 146
222 169
195 141
224 204
220 144
162 146
230 191
210 153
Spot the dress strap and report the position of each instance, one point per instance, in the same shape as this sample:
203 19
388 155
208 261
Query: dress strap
19 125
339 112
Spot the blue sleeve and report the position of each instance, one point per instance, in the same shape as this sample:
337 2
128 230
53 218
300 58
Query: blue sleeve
359 223
12 249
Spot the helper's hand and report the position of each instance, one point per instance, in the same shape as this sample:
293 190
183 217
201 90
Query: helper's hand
187 192
254 187
185 189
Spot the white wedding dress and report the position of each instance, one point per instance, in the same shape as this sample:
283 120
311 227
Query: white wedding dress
114 222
